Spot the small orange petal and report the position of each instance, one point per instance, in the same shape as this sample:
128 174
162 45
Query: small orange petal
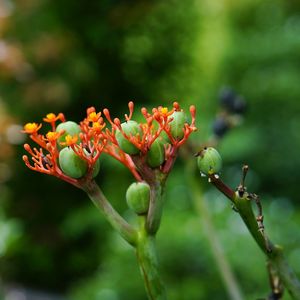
52 136
94 117
70 140
51 117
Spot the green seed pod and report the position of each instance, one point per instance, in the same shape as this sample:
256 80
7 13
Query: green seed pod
177 124
209 161
71 164
70 128
156 154
138 197
130 128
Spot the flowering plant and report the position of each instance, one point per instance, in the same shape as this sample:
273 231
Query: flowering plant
71 152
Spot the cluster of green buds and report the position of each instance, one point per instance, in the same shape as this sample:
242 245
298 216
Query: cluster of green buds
71 151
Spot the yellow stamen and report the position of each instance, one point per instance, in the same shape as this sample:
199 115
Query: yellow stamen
164 110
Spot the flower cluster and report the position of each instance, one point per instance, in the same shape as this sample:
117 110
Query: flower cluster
71 151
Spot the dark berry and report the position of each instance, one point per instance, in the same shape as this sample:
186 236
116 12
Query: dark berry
227 98
220 127
240 105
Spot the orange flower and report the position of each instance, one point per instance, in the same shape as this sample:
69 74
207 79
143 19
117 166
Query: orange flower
31 128
97 127
70 140
52 136
163 111
51 117
94 117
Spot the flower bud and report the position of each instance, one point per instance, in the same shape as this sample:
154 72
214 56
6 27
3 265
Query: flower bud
70 128
177 124
156 154
130 128
71 164
138 197
209 161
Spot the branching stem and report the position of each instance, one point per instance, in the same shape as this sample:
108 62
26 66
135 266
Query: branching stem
113 217
242 202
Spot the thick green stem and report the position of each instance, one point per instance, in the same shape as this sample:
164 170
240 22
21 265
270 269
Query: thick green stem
112 216
148 262
244 208
155 208
274 253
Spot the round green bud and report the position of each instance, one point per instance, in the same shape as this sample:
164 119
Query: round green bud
209 161
156 154
138 197
71 164
70 128
177 124
130 128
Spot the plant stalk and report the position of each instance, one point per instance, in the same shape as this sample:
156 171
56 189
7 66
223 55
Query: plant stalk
148 262
111 215
274 253
155 207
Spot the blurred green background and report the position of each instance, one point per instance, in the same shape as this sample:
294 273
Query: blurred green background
64 56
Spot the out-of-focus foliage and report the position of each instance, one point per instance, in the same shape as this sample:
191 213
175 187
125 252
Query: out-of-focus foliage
65 56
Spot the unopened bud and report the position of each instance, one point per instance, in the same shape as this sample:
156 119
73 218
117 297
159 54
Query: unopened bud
209 161
156 154
71 164
138 197
177 124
